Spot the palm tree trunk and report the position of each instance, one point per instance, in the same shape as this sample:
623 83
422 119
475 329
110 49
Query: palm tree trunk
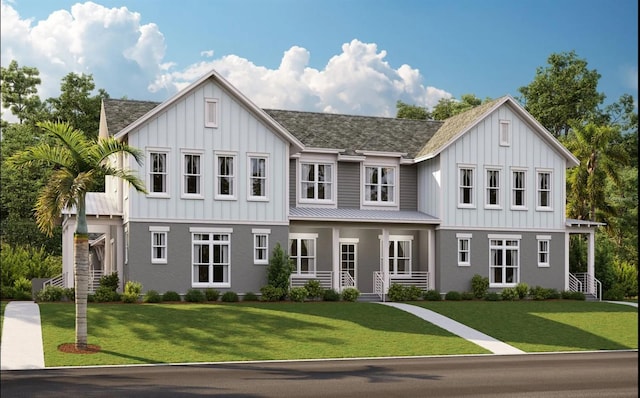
81 272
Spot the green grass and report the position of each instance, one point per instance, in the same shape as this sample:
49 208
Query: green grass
545 326
170 333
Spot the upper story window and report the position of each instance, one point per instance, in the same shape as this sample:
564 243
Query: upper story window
492 184
158 172
210 112
192 175
225 171
518 189
544 184
466 184
379 185
316 182
258 177
505 132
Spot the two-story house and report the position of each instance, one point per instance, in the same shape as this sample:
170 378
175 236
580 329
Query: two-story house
355 201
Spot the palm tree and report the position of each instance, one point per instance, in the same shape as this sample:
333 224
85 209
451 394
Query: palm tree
78 165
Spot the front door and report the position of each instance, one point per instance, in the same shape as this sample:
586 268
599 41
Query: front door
348 264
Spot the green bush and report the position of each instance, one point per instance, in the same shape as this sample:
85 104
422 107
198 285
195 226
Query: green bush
541 293
509 294
615 293
21 295
110 281
152 296
132 291
330 295
22 284
195 296
350 294
626 275
6 292
28 262
272 293
432 295
452 295
50 293
571 295
397 292
171 296
279 269
298 294
467 296
250 296
493 296
104 294
230 297
479 286
211 294
522 289
70 293
314 289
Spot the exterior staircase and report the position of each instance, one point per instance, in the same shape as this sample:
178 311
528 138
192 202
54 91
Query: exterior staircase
369 297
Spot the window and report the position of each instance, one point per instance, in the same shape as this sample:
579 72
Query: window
210 112
225 176
192 176
518 189
302 251
466 183
493 188
158 168
504 260
211 257
544 242
505 133
159 244
399 255
316 182
544 190
464 250
257 177
261 246
379 184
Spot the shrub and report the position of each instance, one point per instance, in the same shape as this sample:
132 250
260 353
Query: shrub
350 294
616 292
22 284
479 286
195 296
330 295
28 262
132 291
541 293
211 294
413 293
171 296
279 269
230 297
571 295
152 296
105 294
397 292
452 295
493 296
70 293
467 296
509 294
272 293
250 296
50 293
129 298
522 290
432 295
22 295
110 281
6 292
298 294
314 289
626 275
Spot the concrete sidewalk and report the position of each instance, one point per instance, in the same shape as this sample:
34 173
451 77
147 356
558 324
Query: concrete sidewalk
21 346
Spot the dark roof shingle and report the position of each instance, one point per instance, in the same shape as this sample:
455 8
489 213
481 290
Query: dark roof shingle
121 113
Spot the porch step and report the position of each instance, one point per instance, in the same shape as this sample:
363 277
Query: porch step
369 297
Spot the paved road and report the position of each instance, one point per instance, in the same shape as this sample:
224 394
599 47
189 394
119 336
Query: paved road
583 375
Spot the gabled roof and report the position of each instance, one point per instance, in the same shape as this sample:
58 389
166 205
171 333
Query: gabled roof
456 126
121 113
352 134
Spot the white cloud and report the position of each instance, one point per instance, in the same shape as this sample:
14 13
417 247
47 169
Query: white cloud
127 58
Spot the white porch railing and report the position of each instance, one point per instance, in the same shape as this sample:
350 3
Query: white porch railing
416 278
58 281
346 280
378 284
324 277
94 279
588 284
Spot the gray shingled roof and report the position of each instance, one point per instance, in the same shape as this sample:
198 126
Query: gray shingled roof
121 113
357 133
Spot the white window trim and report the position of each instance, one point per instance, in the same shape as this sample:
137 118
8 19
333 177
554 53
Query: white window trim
183 187
505 124
460 237
399 238
513 188
234 178
250 196
260 232
164 231
334 184
208 230
208 103
504 237
166 152
396 186
543 238
296 266
497 206
551 186
474 186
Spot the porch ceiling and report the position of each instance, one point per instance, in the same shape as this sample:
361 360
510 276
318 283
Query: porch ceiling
357 215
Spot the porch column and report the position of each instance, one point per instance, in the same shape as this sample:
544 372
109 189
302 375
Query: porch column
591 258
384 267
566 260
335 255
431 259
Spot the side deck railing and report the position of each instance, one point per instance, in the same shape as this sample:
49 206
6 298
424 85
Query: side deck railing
415 278
324 277
588 284
58 281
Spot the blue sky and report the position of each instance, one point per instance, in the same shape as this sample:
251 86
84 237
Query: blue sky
347 56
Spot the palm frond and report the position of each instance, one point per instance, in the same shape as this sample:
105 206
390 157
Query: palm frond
127 176
110 146
75 141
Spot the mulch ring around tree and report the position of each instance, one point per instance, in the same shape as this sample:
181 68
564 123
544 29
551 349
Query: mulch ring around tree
70 348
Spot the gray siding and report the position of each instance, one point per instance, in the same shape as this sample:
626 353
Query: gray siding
293 182
451 277
176 274
349 185
408 188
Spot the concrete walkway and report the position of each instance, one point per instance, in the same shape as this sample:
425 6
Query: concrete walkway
21 346
474 336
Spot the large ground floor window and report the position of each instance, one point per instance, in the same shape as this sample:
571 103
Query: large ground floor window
302 251
211 254
504 260
399 255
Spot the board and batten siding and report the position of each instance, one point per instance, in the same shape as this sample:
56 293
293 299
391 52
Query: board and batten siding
181 128
480 147
429 187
